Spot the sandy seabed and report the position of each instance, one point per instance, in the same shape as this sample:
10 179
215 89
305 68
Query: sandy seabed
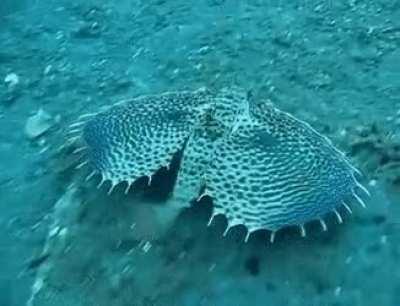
64 242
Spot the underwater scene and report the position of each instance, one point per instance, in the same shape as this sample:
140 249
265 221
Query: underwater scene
199 153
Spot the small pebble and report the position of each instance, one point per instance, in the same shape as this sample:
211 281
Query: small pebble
212 267
338 290
38 124
348 260
146 247
48 69
54 231
11 79
63 232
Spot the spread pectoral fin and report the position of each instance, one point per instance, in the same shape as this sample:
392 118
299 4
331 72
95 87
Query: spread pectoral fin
267 180
137 137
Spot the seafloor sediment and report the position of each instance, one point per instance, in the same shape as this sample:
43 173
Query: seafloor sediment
63 242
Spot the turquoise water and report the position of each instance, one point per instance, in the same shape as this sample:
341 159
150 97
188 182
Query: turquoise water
335 65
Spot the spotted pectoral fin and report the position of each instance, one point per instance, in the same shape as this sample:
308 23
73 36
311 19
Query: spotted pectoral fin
267 180
137 137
